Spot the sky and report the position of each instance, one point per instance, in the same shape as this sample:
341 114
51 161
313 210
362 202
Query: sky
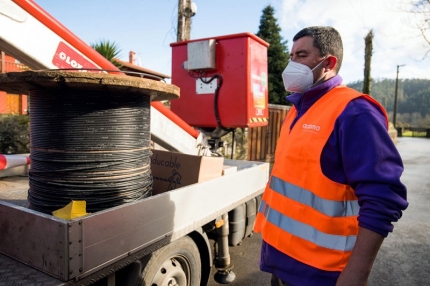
148 27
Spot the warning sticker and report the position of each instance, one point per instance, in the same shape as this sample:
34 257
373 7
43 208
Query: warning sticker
259 96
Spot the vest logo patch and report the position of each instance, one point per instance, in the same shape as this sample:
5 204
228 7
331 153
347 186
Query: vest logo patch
311 128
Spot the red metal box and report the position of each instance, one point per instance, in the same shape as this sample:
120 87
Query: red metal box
239 61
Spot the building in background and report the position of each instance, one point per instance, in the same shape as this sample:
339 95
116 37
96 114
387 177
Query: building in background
135 70
12 103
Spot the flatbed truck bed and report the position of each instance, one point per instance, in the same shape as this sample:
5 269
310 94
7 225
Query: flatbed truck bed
41 247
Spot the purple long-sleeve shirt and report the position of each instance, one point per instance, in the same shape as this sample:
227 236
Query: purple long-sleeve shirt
359 153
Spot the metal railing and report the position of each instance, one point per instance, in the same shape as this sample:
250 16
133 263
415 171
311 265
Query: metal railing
262 140
415 131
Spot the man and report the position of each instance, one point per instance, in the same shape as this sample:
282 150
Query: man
335 185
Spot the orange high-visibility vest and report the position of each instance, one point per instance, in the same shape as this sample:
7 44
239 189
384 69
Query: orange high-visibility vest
303 213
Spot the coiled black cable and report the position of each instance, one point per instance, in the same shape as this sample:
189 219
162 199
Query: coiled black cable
90 145
216 111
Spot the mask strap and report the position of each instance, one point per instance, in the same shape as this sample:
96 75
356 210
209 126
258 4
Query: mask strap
319 63
318 80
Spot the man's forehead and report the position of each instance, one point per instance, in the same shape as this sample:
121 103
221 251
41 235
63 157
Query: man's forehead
304 44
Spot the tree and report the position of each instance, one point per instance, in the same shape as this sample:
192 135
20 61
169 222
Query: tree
109 50
413 96
277 55
421 10
422 7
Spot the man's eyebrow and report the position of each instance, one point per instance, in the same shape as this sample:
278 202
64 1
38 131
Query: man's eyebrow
300 52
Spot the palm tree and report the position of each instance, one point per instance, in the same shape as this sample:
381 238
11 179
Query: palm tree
109 50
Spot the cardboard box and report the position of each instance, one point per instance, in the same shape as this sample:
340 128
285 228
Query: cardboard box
171 170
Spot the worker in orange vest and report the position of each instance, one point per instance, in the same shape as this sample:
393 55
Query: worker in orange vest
335 187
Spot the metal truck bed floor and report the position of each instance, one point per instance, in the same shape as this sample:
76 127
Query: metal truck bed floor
15 273
14 190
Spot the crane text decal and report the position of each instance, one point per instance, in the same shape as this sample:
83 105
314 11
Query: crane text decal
65 57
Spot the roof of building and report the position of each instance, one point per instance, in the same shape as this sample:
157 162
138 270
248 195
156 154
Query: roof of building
141 71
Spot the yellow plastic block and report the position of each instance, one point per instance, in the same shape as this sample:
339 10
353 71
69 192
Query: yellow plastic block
72 210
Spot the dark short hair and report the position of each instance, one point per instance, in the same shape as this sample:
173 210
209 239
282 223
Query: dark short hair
326 39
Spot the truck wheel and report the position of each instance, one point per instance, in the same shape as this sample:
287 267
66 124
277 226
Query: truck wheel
176 264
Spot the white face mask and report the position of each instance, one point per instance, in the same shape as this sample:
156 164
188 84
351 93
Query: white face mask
298 77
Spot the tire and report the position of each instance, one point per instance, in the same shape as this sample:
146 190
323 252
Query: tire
176 264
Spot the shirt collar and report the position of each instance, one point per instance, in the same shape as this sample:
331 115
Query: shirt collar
313 94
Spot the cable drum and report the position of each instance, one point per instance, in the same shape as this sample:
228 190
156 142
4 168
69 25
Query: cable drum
88 120
88 145
90 136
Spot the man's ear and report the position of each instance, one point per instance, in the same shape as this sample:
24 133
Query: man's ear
331 63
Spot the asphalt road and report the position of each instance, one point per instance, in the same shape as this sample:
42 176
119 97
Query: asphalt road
404 258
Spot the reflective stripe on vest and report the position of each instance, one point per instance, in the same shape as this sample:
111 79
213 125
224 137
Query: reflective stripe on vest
327 207
331 241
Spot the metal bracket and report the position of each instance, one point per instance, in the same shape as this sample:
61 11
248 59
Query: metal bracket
75 248
206 88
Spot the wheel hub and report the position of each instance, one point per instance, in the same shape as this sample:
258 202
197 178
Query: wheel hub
170 273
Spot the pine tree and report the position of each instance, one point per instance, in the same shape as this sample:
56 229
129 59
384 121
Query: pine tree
277 55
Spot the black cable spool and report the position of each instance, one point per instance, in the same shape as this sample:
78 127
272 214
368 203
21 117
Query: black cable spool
88 145
90 138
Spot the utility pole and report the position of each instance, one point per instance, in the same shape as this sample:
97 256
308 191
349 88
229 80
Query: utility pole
367 59
395 96
186 10
180 29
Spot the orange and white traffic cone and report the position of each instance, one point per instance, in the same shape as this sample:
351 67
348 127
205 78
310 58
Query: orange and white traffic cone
10 161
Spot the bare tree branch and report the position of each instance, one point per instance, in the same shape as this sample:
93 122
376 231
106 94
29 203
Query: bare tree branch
424 36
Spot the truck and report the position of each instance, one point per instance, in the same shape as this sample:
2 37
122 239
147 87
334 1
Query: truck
163 239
